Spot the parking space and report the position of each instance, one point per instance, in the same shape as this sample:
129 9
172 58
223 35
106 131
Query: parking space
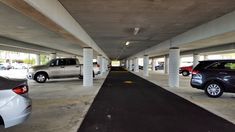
58 105
223 106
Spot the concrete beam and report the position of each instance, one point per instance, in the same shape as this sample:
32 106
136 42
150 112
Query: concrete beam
19 46
212 50
216 32
51 14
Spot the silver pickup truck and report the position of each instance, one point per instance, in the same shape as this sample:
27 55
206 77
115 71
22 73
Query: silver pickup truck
59 68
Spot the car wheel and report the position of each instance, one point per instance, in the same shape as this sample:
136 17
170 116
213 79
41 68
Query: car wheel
185 73
41 77
214 89
80 77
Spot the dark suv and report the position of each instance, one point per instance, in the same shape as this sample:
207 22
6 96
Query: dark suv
214 76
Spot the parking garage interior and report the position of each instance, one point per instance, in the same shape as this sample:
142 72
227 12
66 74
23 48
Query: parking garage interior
139 47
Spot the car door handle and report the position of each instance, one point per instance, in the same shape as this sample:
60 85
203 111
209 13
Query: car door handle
224 73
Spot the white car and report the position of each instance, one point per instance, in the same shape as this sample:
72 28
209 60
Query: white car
15 104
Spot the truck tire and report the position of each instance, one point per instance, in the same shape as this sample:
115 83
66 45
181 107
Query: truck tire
41 77
81 76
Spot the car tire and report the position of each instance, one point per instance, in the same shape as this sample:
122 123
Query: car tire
41 77
185 73
80 77
214 89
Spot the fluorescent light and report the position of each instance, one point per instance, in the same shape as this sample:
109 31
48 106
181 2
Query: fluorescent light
136 30
127 43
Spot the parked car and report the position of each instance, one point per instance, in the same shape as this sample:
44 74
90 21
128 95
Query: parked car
186 70
17 66
96 68
214 77
2 67
15 104
5 66
160 66
59 68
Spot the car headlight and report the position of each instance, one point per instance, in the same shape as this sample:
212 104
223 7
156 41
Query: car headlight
30 70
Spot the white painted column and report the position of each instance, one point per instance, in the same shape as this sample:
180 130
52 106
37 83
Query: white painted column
103 65
52 56
146 65
166 64
130 65
106 64
87 67
127 63
99 62
38 59
136 64
196 58
153 64
174 62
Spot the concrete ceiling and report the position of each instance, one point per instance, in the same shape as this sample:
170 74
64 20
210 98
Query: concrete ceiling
16 26
111 22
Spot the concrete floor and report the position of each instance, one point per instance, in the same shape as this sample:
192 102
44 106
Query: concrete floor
223 106
58 105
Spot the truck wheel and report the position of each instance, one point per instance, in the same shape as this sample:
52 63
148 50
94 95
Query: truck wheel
185 73
40 77
81 76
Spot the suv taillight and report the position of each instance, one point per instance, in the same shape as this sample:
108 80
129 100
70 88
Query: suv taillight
21 89
194 72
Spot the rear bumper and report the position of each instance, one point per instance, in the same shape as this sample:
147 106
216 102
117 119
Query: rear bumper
197 83
16 111
17 120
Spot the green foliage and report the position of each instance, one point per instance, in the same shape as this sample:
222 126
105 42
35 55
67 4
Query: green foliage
44 59
29 61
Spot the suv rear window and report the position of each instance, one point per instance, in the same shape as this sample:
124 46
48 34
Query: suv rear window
203 64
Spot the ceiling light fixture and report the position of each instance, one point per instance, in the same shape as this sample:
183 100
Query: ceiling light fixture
136 30
127 43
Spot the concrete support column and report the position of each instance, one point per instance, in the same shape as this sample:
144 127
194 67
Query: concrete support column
38 59
166 64
87 67
130 64
127 63
136 64
146 64
153 64
99 62
52 56
174 62
196 58
106 65
103 65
